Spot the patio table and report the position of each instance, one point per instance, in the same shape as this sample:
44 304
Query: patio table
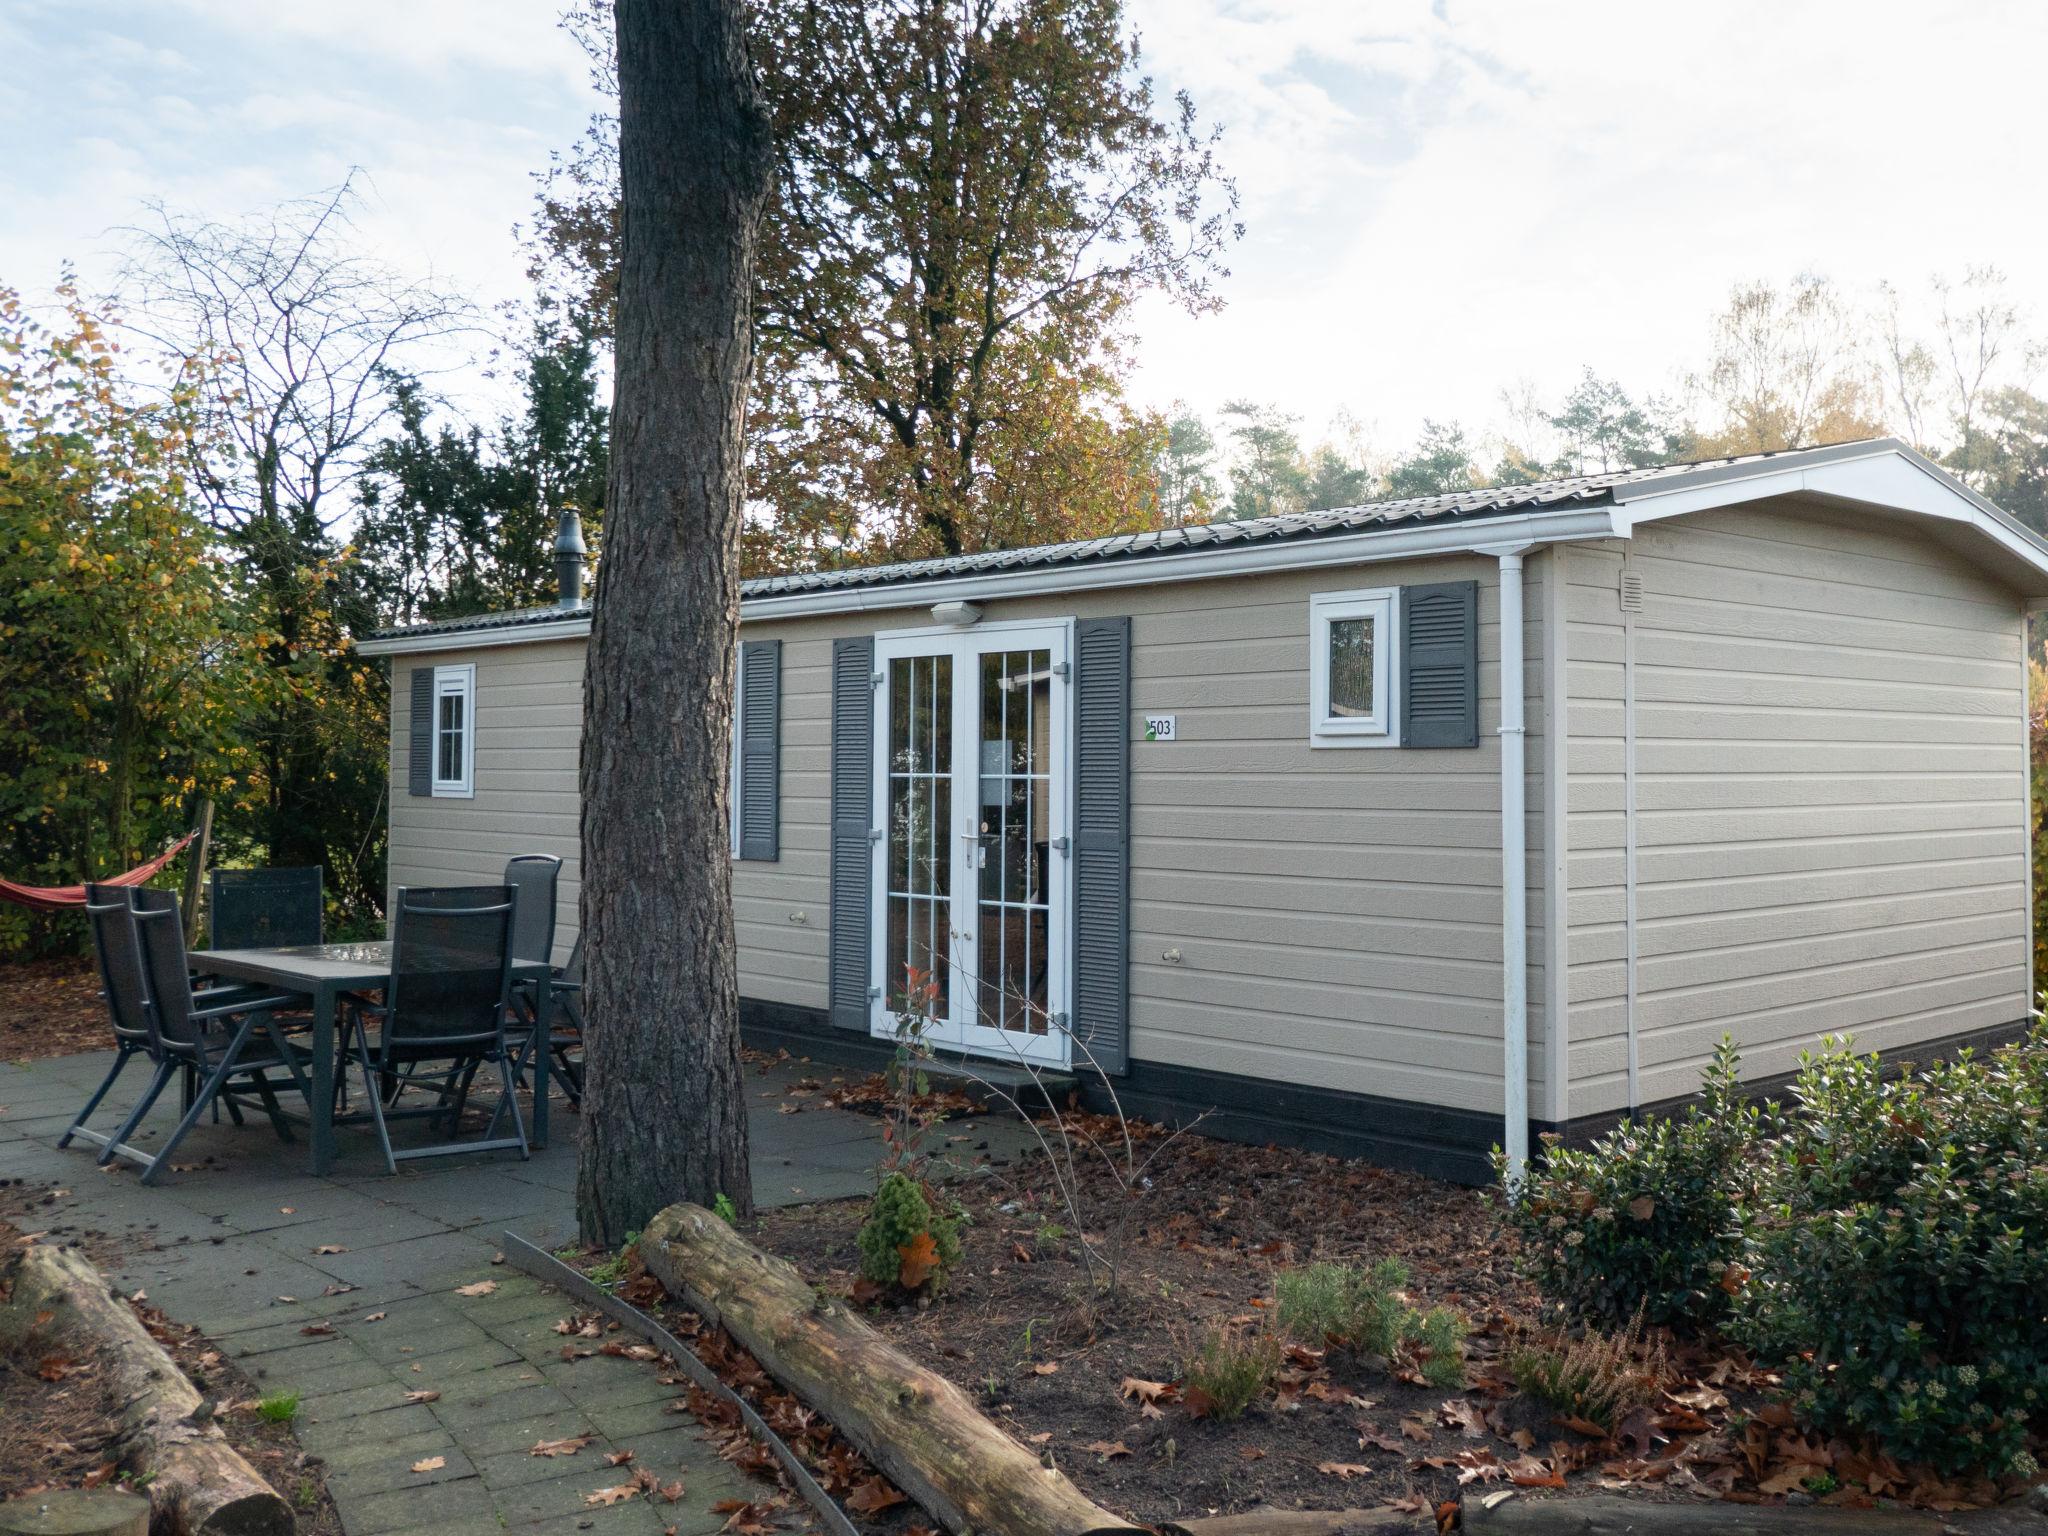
323 974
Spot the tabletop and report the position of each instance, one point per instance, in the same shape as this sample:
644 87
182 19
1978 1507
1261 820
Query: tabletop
307 967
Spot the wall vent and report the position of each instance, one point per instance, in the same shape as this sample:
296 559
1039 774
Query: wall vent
1631 592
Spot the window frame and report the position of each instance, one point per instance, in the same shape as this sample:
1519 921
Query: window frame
1382 728
455 682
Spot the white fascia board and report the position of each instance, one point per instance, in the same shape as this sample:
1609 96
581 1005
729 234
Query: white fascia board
475 639
1397 543
1521 530
1891 477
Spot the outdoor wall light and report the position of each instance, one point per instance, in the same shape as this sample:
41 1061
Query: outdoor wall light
956 615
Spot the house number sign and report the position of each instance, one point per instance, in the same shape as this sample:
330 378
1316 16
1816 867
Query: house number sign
1159 728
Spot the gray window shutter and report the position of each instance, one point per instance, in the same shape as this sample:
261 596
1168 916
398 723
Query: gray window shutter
420 766
1440 665
853 793
760 788
1102 843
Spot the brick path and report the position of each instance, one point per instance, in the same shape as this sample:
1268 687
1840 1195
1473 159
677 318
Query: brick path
233 1247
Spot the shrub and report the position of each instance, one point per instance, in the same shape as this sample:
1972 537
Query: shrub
1436 1342
1225 1374
1366 1311
1599 1377
1900 1254
904 1241
1647 1219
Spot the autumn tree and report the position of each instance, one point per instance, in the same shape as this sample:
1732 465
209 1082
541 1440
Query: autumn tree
1787 369
301 337
125 639
1603 430
664 1112
968 199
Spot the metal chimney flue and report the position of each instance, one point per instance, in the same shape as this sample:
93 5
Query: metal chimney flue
571 556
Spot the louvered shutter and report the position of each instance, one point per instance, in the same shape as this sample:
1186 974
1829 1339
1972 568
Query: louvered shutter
1102 843
420 764
853 789
760 726
1440 665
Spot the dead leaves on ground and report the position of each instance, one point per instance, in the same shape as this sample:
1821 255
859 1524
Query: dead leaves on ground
568 1445
481 1288
641 1483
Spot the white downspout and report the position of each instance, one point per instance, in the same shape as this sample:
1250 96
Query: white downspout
1514 867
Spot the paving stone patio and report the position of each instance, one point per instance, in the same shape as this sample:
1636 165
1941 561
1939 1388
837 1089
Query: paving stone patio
233 1247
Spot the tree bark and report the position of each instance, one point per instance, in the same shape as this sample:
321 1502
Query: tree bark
664 1114
923 1432
57 1303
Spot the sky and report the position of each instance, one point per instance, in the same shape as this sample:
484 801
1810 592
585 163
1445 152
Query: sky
1442 200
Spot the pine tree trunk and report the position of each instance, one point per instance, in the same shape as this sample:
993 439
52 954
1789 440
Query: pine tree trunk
664 1116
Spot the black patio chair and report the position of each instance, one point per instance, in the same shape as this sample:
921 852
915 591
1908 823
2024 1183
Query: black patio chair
224 1038
533 877
117 952
266 908
443 1017
564 1026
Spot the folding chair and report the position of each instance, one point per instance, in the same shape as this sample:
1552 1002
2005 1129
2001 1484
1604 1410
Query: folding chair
443 1017
117 951
266 908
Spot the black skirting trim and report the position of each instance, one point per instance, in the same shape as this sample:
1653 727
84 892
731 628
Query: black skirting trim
1452 1144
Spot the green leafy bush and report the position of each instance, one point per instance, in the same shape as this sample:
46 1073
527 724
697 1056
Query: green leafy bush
1900 1254
1649 1218
1225 1373
1367 1311
1599 1377
904 1241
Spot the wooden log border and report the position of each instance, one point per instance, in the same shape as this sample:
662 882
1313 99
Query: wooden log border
542 1265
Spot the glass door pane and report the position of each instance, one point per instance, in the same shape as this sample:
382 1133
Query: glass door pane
918 952
1014 895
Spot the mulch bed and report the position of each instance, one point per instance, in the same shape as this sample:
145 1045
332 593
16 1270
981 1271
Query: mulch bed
51 1007
1097 1386
57 1419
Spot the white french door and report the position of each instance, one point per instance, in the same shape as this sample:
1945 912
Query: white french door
972 868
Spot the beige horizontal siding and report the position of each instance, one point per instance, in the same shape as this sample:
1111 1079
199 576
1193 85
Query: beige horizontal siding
528 704
1830 796
1337 911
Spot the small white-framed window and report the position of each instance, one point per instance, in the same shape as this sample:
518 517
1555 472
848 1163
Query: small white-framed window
455 731
1352 642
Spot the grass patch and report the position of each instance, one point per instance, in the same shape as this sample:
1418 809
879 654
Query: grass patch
1367 1310
1599 1377
1228 1370
278 1407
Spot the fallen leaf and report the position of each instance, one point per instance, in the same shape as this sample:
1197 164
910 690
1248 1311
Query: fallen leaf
1373 1440
1145 1391
423 1397
54 1368
430 1464
617 1458
919 1261
317 1329
873 1496
374 1317
328 1248
1045 1368
1108 1450
567 1446
1791 1479
481 1288
615 1495
1043 1437
1414 1429
1465 1416
1344 1469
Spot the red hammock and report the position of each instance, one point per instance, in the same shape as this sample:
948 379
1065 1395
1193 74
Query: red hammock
55 898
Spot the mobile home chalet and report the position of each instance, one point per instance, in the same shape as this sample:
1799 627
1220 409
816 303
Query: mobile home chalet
1402 830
